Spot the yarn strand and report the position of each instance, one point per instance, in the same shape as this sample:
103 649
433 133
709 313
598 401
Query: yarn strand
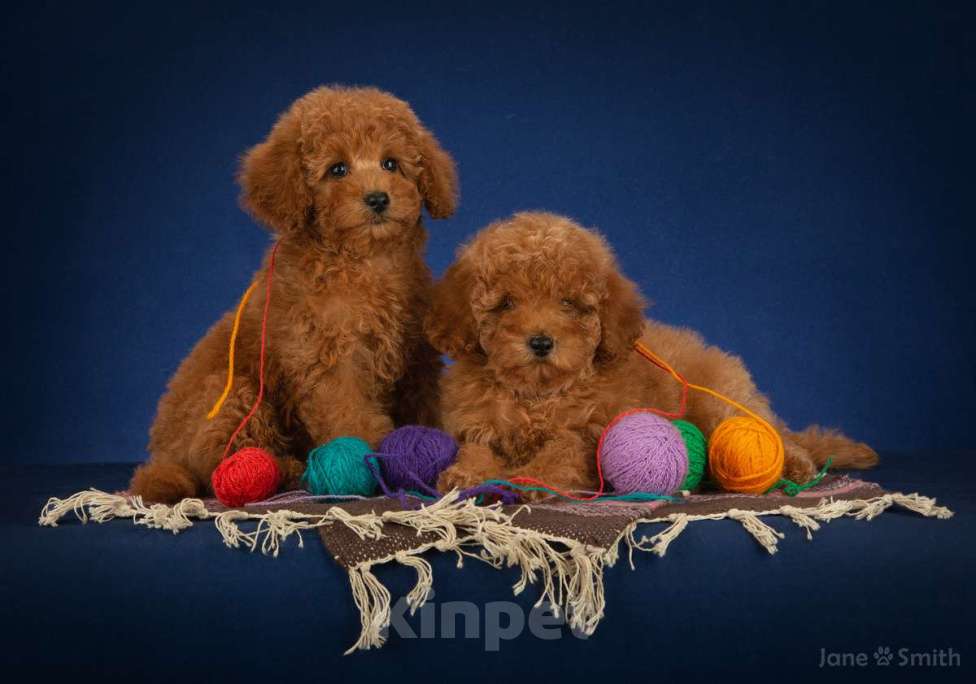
791 488
632 496
730 430
230 354
422 490
264 345
644 351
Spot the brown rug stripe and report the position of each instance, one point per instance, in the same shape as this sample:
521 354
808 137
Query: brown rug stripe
594 524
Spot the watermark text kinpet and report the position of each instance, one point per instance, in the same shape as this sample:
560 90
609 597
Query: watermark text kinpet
495 622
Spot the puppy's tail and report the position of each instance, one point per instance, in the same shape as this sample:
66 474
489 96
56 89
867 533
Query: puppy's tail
843 451
163 482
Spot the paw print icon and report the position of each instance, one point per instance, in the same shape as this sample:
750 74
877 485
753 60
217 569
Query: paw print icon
883 656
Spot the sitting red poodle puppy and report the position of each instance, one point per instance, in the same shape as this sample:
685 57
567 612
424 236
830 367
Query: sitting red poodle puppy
340 180
542 326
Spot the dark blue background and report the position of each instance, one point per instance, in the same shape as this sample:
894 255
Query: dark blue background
794 181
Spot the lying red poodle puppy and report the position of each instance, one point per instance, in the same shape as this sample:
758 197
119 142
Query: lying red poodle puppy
340 180
542 325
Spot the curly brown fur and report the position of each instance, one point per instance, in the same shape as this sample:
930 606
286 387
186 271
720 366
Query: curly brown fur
517 414
347 355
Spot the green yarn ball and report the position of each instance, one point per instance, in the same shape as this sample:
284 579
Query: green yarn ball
337 467
697 453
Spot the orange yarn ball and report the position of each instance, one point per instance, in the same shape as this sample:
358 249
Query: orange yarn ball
745 455
251 474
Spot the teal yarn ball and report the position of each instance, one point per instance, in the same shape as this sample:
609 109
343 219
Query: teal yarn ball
339 467
697 453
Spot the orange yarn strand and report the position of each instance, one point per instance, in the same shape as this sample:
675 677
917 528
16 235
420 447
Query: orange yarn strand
264 344
744 457
644 351
230 354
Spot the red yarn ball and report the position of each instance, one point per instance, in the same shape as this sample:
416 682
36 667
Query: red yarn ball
251 474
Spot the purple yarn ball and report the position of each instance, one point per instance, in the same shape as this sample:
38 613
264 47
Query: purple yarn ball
415 452
643 452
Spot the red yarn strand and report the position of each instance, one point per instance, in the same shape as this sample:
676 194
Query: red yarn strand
264 343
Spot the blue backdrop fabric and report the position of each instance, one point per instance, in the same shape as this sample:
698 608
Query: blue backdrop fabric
792 179
116 600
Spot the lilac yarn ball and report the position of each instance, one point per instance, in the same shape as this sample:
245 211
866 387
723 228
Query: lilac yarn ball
415 452
643 452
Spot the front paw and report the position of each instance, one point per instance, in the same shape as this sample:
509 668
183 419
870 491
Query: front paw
291 473
530 495
369 427
375 428
799 467
458 477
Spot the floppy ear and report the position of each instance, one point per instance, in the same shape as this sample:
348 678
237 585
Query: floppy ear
621 318
272 178
438 178
450 325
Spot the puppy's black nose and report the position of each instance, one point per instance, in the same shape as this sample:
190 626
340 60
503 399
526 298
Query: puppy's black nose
541 345
377 201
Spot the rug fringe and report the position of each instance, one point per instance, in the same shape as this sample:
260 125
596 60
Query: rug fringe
100 507
424 587
663 540
373 601
764 534
273 527
801 518
807 518
569 573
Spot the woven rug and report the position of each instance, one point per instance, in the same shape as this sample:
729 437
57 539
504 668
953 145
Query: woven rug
560 547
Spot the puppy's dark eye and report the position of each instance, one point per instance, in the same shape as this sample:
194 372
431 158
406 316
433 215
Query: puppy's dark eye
390 164
575 307
338 170
506 304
